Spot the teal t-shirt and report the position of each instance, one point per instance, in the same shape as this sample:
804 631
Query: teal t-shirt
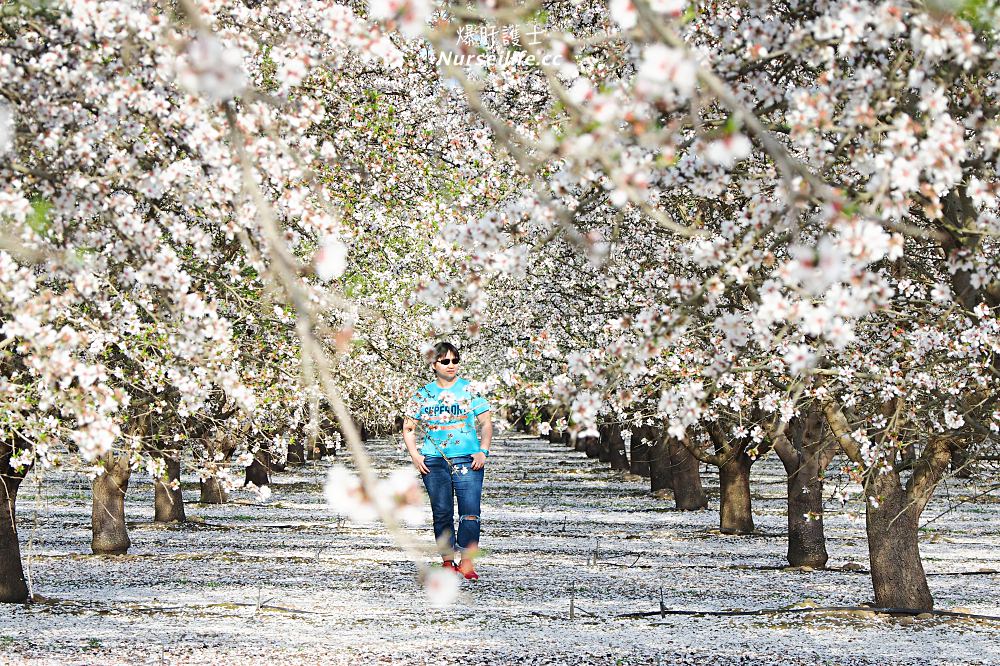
448 417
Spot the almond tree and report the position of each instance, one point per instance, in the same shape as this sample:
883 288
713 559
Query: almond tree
182 196
823 180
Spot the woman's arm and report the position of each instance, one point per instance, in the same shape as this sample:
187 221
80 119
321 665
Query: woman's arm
410 440
485 439
485 430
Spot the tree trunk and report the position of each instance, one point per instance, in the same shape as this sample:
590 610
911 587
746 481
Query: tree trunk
603 450
805 451
640 451
897 572
330 438
13 588
554 436
296 451
107 515
219 451
892 519
212 491
168 502
616 448
326 441
806 539
661 475
688 493
580 444
592 446
258 473
337 443
961 463
735 513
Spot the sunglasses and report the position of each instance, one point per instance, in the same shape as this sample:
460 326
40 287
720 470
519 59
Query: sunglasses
447 361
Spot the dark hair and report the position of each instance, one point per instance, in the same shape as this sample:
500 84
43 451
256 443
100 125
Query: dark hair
442 349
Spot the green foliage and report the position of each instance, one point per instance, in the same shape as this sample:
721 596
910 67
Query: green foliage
268 71
29 8
540 17
733 124
982 15
39 218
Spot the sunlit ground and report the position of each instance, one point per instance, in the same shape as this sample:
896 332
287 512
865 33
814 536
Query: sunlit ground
288 583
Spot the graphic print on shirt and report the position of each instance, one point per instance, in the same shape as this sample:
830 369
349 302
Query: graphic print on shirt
448 418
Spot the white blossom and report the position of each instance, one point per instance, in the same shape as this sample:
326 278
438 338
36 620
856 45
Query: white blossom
665 70
7 129
624 13
727 151
331 259
441 585
211 69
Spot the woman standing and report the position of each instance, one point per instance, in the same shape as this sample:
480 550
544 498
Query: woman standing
451 457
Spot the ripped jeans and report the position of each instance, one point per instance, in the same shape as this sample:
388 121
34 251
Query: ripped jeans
443 486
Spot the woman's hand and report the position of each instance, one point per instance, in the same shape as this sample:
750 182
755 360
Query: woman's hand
418 462
478 460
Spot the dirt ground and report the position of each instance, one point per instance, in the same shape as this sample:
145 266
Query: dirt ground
287 582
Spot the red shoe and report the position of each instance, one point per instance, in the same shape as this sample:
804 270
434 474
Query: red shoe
468 572
450 564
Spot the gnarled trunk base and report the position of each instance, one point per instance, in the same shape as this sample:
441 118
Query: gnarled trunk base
616 448
639 451
961 463
168 501
735 512
661 473
688 493
897 573
110 535
212 491
258 473
806 539
603 451
297 452
13 587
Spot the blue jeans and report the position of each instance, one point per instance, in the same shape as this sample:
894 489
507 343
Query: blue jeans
443 486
